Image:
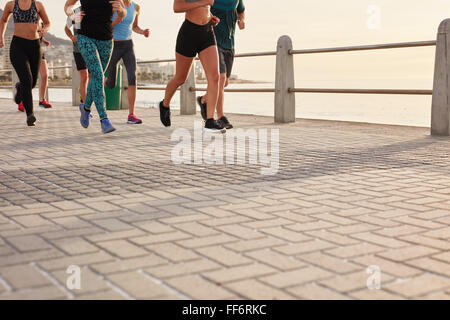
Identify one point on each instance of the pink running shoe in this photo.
(21, 108)
(44, 104)
(132, 119)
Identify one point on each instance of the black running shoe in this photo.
(31, 119)
(164, 114)
(202, 106)
(17, 95)
(213, 126)
(225, 123)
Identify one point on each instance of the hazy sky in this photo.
(310, 23)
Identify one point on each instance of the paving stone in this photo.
(172, 252)
(138, 285)
(122, 248)
(433, 265)
(247, 245)
(239, 273)
(285, 234)
(315, 292)
(325, 261)
(23, 276)
(31, 221)
(418, 286)
(304, 247)
(75, 246)
(205, 290)
(224, 256)
(182, 268)
(275, 259)
(28, 243)
(353, 281)
(411, 252)
(79, 260)
(131, 264)
(396, 269)
(42, 293)
(256, 290)
(355, 250)
(296, 277)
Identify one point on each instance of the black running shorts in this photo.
(79, 61)
(193, 38)
(226, 59)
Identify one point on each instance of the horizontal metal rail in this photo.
(153, 88)
(50, 68)
(302, 51)
(270, 90)
(367, 47)
(363, 91)
(292, 90)
(240, 55)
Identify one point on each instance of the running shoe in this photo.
(202, 106)
(31, 119)
(21, 108)
(223, 121)
(132, 119)
(85, 116)
(213, 126)
(17, 95)
(107, 126)
(44, 104)
(164, 114)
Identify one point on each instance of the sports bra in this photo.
(25, 16)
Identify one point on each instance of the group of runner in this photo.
(102, 36)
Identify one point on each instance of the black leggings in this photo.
(25, 56)
(122, 50)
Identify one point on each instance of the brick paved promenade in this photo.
(347, 196)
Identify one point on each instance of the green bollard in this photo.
(114, 96)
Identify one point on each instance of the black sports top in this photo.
(97, 20)
(25, 16)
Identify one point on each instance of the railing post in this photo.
(75, 85)
(284, 80)
(187, 97)
(124, 94)
(440, 108)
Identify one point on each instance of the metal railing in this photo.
(284, 104)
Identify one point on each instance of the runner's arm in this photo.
(4, 20)
(241, 14)
(136, 28)
(44, 17)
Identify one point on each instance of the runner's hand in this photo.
(146, 33)
(78, 17)
(117, 5)
(241, 24)
(215, 21)
(42, 33)
(1, 43)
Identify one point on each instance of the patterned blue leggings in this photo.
(96, 54)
